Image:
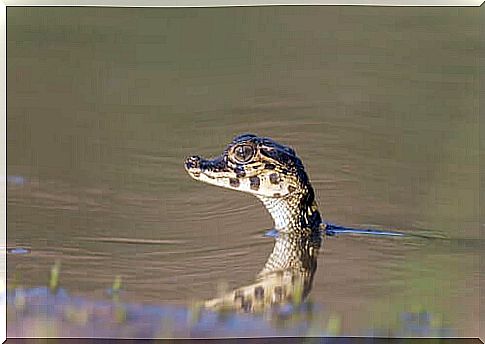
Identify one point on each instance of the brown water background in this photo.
(381, 104)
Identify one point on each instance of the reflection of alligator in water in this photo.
(274, 174)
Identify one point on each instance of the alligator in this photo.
(276, 176)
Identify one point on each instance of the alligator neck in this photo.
(294, 214)
(297, 220)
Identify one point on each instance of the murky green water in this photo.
(381, 104)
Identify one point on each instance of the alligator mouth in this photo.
(211, 168)
(193, 166)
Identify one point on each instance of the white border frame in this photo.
(3, 173)
(139, 3)
(229, 3)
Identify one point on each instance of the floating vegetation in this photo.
(114, 291)
(334, 325)
(120, 313)
(54, 277)
(116, 284)
(85, 315)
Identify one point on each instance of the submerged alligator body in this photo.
(276, 176)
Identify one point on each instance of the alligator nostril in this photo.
(193, 162)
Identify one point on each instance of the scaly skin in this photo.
(276, 176)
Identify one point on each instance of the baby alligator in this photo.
(276, 176)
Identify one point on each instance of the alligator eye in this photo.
(243, 153)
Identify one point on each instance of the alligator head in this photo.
(275, 175)
(270, 171)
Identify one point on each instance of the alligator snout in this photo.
(193, 162)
